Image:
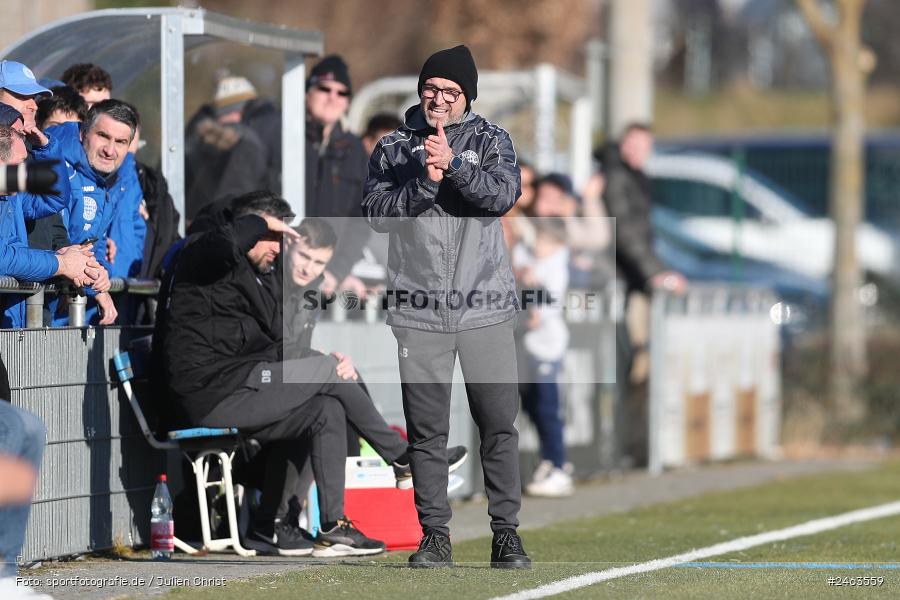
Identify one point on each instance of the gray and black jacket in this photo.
(448, 266)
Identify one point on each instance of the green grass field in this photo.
(584, 546)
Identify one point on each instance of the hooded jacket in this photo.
(217, 317)
(221, 161)
(162, 228)
(128, 228)
(91, 206)
(627, 199)
(335, 175)
(446, 241)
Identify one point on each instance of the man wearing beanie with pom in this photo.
(438, 185)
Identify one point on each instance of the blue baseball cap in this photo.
(19, 79)
(9, 115)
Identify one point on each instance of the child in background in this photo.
(544, 267)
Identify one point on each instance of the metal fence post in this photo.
(77, 307)
(34, 309)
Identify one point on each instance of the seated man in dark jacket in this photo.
(218, 337)
(221, 355)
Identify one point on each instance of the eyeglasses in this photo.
(330, 90)
(450, 95)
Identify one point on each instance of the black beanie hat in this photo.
(455, 64)
(330, 68)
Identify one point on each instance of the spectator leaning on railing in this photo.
(94, 152)
(17, 259)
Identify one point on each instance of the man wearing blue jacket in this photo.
(94, 153)
(17, 260)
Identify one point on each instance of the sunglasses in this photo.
(330, 90)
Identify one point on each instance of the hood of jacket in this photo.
(448, 266)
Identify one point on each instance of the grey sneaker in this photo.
(345, 540)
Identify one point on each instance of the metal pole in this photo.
(580, 141)
(77, 307)
(656, 431)
(545, 118)
(630, 91)
(595, 74)
(293, 134)
(172, 108)
(34, 309)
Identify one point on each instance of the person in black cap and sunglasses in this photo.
(439, 185)
(335, 170)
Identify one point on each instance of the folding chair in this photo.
(201, 445)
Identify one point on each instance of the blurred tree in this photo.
(394, 38)
(851, 62)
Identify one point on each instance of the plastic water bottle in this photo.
(162, 526)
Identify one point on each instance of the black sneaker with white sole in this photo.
(434, 551)
(343, 539)
(286, 540)
(456, 456)
(507, 551)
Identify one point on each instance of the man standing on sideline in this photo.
(627, 199)
(439, 185)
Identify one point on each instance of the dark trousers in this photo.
(307, 419)
(540, 399)
(487, 356)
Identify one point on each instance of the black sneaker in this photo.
(456, 456)
(345, 540)
(507, 551)
(434, 551)
(287, 540)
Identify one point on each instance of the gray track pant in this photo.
(487, 356)
(309, 419)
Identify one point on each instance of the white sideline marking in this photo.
(808, 528)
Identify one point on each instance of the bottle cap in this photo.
(162, 477)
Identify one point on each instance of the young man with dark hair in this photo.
(64, 106)
(439, 185)
(93, 83)
(379, 125)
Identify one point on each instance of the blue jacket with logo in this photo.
(92, 204)
(129, 229)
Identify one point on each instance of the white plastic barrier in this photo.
(715, 382)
